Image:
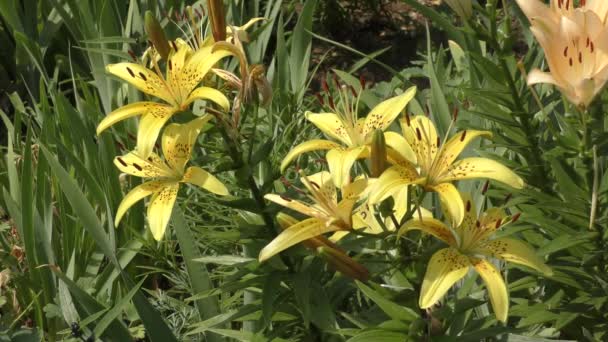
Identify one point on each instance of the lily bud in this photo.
(156, 35)
(464, 8)
(218, 19)
(378, 153)
(343, 263)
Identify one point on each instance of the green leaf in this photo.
(392, 309)
(379, 336)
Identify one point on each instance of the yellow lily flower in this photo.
(437, 166)
(353, 134)
(326, 214)
(167, 174)
(470, 245)
(185, 70)
(575, 45)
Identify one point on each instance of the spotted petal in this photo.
(143, 79)
(340, 162)
(178, 140)
(308, 146)
(452, 149)
(131, 110)
(430, 226)
(198, 66)
(149, 129)
(472, 168)
(393, 180)
(381, 116)
(296, 205)
(160, 209)
(445, 268)
(133, 164)
(515, 251)
(197, 176)
(421, 135)
(296, 233)
(497, 290)
(398, 144)
(209, 94)
(331, 125)
(135, 195)
(451, 201)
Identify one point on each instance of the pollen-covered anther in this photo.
(515, 217)
(418, 134)
(468, 207)
(285, 198)
(498, 223)
(463, 136)
(485, 187)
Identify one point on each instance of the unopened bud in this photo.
(464, 8)
(378, 153)
(343, 263)
(217, 16)
(156, 35)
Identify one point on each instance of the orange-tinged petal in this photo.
(445, 268)
(308, 146)
(497, 290)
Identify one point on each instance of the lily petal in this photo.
(198, 66)
(497, 290)
(296, 233)
(143, 79)
(160, 209)
(381, 116)
(340, 161)
(308, 146)
(471, 168)
(323, 185)
(451, 201)
(197, 176)
(133, 164)
(149, 129)
(398, 143)
(392, 180)
(445, 268)
(430, 226)
(135, 195)
(209, 94)
(295, 205)
(452, 149)
(332, 125)
(178, 140)
(421, 135)
(515, 251)
(131, 110)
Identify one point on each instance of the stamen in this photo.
(477, 224)
(336, 81)
(132, 54)
(580, 57)
(315, 185)
(285, 198)
(485, 187)
(591, 47)
(566, 52)
(325, 86)
(174, 45)
(418, 134)
(332, 105)
(498, 223)
(362, 81)
(320, 99)
(455, 114)
(464, 134)
(468, 208)
(438, 142)
(508, 198)
(407, 119)
(353, 91)
(570, 61)
(515, 217)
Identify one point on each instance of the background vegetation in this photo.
(63, 261)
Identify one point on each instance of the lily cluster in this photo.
(419, 160)
(187, 63)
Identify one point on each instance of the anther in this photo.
(285, 198)
(353, 91)
(130, 72)
(362, 81)
(139, 168)
(438, 142)
(320, 98)
(468, 208)
(143, 77)
(122, 162)
(580, 57)
(315, 185)
(508, 198)
(464, 134)
(407, 119)
(485, 187)
(325, 86)
(570, 61)
(515, 217)
(566, 52)
(132, 54)
(455, 114)
(418, 134)
(591, 47)
(498, 223)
